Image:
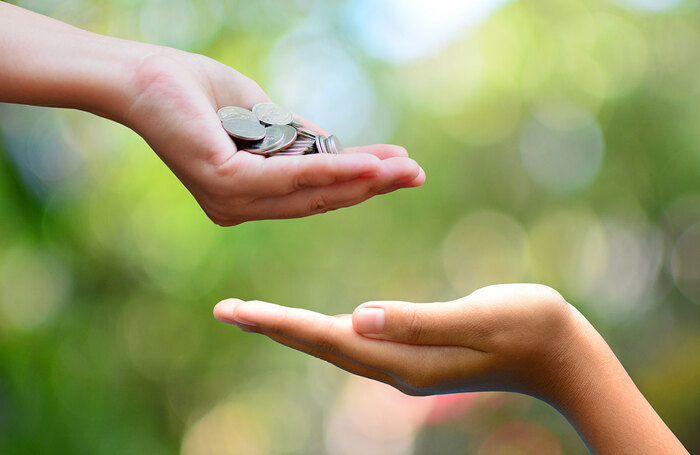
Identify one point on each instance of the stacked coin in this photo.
(270, 129)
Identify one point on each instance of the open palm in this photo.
(175, 99)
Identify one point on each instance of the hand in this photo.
(175, 98)
(507, 337)
(170, 98)
(516, 337)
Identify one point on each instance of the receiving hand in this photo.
(175, 96)
(506, 337)
(513, 337)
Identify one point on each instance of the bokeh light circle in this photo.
(34, 286)
(400, 31)
(485, 248)
(226, 429)
(608, 264)
(312, 74)
(373, 418)
(561, 147)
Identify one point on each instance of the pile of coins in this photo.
(270, 130)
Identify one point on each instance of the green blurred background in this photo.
(561, 140)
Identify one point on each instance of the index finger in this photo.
(329, 334)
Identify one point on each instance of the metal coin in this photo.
(334, 144)
(245, 129)
(306, 133)
(322, 144)
(273, 114)
(302, 144)
(273, 137)
(289, 136)
(318, 144)
(235, 112)
(293, 149)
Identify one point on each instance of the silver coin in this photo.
(235, 112)
(245, 129)
(334, 145)
(321, 144)
(289, 136)
(292, 149)
(301, 145)
(307, 133)
(273, 114)
(318, 144)
(273, 137)
(296, 124)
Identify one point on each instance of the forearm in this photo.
(601, 401)
(48, 63)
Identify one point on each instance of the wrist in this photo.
(590, 387)
(48, 63)
(104, 81)
(576, 369)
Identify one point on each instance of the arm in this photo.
(170, 98)
(520, 338)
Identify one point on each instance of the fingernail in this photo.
(370, 320)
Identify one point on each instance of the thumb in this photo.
(440, 323)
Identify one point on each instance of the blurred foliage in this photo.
(561, 144)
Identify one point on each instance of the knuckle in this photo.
(414, 329)
(318, 204)
(325, 341)
(550, 302)
(280, 322)
(300, 182)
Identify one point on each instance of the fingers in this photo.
(416, 182)
(413, 369)
(278, 176)
(326, 333)
(456, 323)
(344, 363)
(308, 201)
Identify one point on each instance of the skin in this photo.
(170, 98)
(517, 337)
